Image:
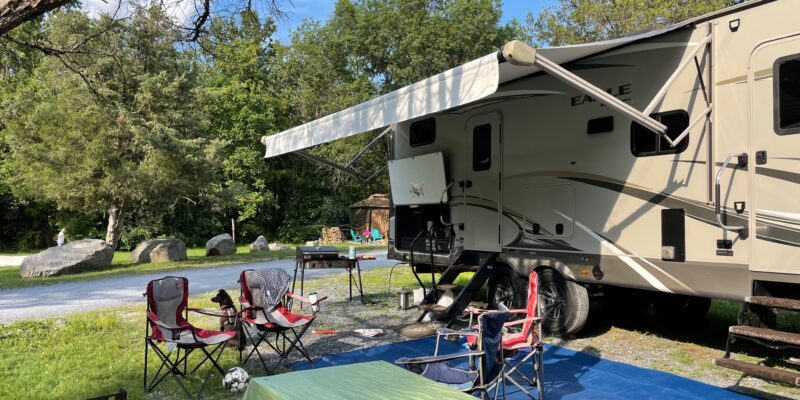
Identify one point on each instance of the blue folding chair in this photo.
(489, 370)
(376, 234)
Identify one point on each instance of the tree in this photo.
(118, 129)
(582, 21)
(368, 48)
(242, 107)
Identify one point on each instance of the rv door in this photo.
(482, 200)
(774, 87)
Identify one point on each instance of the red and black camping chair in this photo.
(167, 324)
(527, 340)
(268, 319)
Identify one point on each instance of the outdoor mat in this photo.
(568, 374)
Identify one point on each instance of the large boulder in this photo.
(158, 251)
(220, 245)
(71, 258)
(278, 247)
(260, 244)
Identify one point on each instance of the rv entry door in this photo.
(774, 83)
(482, 202)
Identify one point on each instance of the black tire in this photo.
(565, 304)
(507, 288)
(673, 307)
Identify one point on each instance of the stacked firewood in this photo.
(331, 235)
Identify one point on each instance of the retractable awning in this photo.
(459, 86)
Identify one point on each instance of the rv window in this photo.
(482, 147)
(600, 125)
(787, 87)
(645, 142)
(422, 132)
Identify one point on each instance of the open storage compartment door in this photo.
(418, 180)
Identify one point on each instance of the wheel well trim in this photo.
(523, 266)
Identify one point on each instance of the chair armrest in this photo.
(213, 313)
(305, 300)
(522, 321)
(436, 359)
(448, 331)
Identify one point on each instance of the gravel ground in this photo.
(342, 315)
(647, 342)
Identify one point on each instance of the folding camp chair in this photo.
(376, 234)
(488, 373)
(167, 322)
(529, 338)
(262, 324)
(356, 238)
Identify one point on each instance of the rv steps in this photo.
(463, 298)
(774, 302)
(772, 337)
(760, 371)
(765, 337)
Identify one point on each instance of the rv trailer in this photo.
(658, 167)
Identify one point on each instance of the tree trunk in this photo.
(114, 230)
(15, 12)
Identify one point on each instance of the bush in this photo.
(131, 236)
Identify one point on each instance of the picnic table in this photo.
(374, 380)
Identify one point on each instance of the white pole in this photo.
(233, 231)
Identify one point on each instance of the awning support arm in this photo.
(346, 170)
(701, 117)
(584, 86)
(364, 150)
(663, 91)
(519, 53)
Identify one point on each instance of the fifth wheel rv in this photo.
(657, 168)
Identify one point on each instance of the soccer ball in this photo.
(236, 380)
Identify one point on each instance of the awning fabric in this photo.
(459, 86)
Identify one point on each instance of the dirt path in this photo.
(11, 261)
(65, 298)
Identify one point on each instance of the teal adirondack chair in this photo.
(376, 234)
(356, 238)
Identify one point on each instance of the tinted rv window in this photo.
(422, 132)
(787, 102)
(645, 142)
(482, 147)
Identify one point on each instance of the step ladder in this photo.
(770, 338)
(463, 296)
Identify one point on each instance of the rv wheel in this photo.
(506, 288)
(565, 304)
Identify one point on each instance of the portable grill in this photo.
(319, 257)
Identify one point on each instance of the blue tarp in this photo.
(568, 375)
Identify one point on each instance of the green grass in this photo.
(89, 354)
(121, 265)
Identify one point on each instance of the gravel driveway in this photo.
(11, 260)
(65, 298)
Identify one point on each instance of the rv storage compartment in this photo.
(411, 220)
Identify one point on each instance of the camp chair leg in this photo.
(540, 373)
(293, 343)
(255, 349)
(173, 370)
(214, 362)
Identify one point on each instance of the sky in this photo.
(320, 10)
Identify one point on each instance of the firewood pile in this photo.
(331, 235)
